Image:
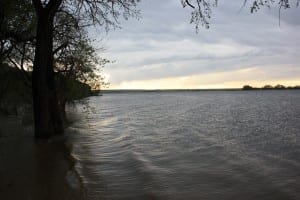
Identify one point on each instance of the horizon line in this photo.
(174, 90)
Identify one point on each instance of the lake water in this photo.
(189, 145)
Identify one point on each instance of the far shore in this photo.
(189, 90)
(31, 169)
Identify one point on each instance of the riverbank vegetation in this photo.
(48, 42)
(76, 63)
(15, 92)
(270, 87)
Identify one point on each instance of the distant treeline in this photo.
(270, 87)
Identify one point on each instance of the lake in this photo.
(209, 145)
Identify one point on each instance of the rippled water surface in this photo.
(189, 145)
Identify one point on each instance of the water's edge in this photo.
(35, 169)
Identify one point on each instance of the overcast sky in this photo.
(163, 51)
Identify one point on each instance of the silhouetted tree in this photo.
(267, 87)
(60, 38)
(74, 55)
(17, 28)
(87, 12)
(247, 87)
(279, 86)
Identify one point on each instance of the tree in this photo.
(267, 87)
(16, 49)
(47, 117)
(279, 86)
(68, 40)
(17, 27)
(247, 87)
(76, 60)
(74, 55)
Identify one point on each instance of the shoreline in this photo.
(35, 169)
(105, 91)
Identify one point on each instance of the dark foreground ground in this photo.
(32, 169)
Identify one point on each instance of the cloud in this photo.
(162, 45)
(226, 79)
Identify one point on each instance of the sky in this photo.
(162, 50)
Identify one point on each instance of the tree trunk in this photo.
(47, 116)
